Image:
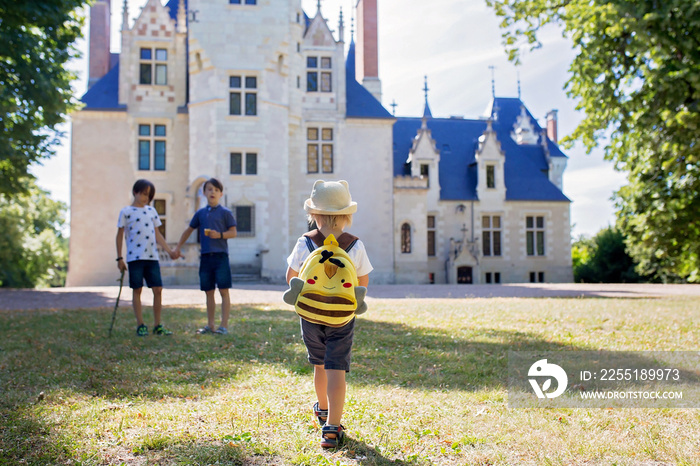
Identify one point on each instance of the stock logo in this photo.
(542, 369)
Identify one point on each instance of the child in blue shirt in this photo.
(216, 225)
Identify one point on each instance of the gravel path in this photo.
(104, 296)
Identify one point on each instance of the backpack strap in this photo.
(347, 241)
(315, 239)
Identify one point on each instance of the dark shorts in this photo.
(148, 270)
(330, 347)
(214, 270)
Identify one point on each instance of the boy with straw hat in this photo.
(329, 348)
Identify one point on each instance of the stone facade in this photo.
(227, 97)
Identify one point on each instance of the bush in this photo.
(33, 251)
(603, 259)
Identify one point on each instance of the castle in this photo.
(265, 98)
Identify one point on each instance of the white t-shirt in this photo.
(140, 225)
(358, 254)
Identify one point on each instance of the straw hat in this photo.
(330, 198)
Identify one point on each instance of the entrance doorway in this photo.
(464, 275)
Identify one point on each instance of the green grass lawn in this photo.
(427, 387)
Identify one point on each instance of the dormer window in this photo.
(153, 66)
(314, 67)
(490, 176)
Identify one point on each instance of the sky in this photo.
(453, 43)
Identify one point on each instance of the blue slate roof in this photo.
(104, 94)
(172, 4)
(360, 103)
(525, 167)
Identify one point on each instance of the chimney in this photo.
(367, 60)
(99, 54)
(552, 126)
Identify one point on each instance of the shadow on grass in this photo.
(45, 351)
(69, 350)
(42, 351)
(365, 454)
(26, 437)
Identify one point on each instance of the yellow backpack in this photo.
(327, 290)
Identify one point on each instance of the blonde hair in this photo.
(335, 222)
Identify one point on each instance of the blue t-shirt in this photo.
(217, 218)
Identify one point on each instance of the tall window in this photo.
(319, 143)
(153, 66)
(245, 220)
(319, 67)
(152, 147)
(243, 96)
(491, 235)
(536, 277)
(490, 176)
(244, 163)
(406, 238)
(534, 231)
(159, 205)
(431, 235)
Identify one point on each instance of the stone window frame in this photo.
(492, 235)
(491, 176)
(154, 61)
(159, 202)
(319, 73)
(320, 149)
(431, 235)
(241, 232)
(154, 139)
(535, 235)
(243, 94)
(248, 162)
(406, 240)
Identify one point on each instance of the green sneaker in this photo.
(160, 330)
(142, 330)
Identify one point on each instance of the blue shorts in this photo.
(330, 347)
(140, 270)
(214, 270)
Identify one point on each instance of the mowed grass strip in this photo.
(426, 387)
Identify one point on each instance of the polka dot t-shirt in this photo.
(140, 225)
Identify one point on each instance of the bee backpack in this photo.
(327, 290)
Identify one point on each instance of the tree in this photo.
(636, 76)
(603, 259)
(33, 251)
(36, 38)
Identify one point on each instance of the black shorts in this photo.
(148, 270)
(330, 347)
(214, 270)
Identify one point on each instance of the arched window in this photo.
(406, 238)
